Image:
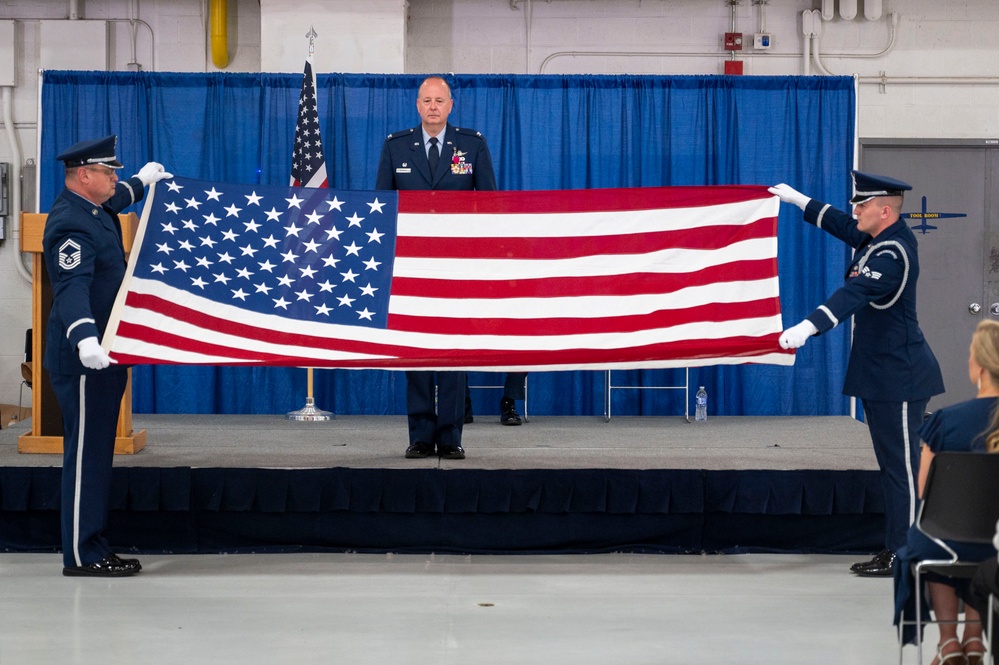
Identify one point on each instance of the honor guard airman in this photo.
(891, 368)
(85, 261)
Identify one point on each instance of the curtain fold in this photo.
(545, 132)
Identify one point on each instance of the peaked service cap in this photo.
(95, 151)
(868, 185)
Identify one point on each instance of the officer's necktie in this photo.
(433, 155)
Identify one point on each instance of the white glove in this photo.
(92, 355)
(796, 336)
(789, 194)
(152, 172)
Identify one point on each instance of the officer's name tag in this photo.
(403, 170)
(461, 168)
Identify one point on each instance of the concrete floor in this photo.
(449, 610)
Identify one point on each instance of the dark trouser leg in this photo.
(90, 405)
(451, 387)
(513, 386)
(420, 406)
(893, 428)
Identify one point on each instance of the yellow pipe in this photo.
(218, 24)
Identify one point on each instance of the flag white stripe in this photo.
(666, 261)
(751, 327)
(579, 224)
(126, 345)
(585, 307)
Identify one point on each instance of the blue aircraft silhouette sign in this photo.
(923, 227)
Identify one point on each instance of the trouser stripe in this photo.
(81, 431)
(908, 466)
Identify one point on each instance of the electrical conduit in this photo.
(15, 182)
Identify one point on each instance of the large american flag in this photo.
(228, 274)
(308, 165)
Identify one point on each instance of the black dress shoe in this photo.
(451, 452)
(508, 414)
(110, 566)
(419, 449)
(882, 565)
(875, 561)
(125, 562)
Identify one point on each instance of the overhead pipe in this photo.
(848, 9)
(872, 10)
(807, 30)
(828, 10)
(817, 57)
(218, 29)
(15, 182)
(817, 44)
(656, 54)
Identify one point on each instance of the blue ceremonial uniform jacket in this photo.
(465, 163)
(85, 260)
(890, 360)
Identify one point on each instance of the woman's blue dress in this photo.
(958, 428)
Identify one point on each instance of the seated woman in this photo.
(968, 426)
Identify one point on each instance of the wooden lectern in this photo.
(46, 418)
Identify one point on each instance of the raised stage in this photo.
(210, 483)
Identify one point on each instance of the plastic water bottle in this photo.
(701, 405)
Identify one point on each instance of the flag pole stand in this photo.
(309, 412)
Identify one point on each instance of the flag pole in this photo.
(309, 412)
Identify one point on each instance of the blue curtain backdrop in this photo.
(545, 132)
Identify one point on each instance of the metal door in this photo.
(950, 209)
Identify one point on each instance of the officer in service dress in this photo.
(85, 260)
(435, 155)
(891, 367)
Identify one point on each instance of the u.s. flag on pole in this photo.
(228, 274)
(308, 164)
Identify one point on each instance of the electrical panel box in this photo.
(762, 41)
(8, 62)
(89, 40)
(733, 41)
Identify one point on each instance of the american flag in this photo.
(308, 166)
(228, 274)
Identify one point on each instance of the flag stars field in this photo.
(319, 232)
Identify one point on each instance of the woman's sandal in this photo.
(954, 657)
(974, 655)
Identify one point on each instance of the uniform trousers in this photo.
(894, 427)
(441, 425)
(90, 404)
(513, 386)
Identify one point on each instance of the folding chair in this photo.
(960, 502)
(25, 374)
(501, 387)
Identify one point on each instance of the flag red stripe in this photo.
(707, 237)
(581, 200)
(712, 312)
(206, 321)
(731, 347)
(565, 287)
